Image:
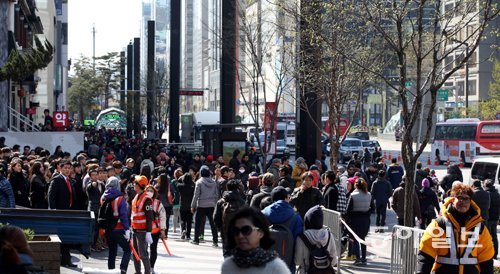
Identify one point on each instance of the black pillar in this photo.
(151, 90)
(137, 86)
(123, 86)
(309, 141)
(175, 63)
(228, 62)
(130, 87)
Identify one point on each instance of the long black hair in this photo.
(258, 220)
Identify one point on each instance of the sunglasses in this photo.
(463, 198)
(245, 230)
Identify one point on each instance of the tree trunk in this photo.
(4, 88)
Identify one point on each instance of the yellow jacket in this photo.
(445, 255)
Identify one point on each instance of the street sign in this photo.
(408, 84)
(191, 92)
(442, 95)
(61, 119)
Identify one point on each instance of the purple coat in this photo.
(111, 194)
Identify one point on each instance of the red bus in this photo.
(326, 127)
(466, 139)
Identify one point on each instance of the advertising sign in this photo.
(61, 119)
(270, 115)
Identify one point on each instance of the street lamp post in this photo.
(466, 67)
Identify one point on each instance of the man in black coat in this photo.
(61, 196)
(306, 196)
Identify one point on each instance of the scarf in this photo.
(256, 257)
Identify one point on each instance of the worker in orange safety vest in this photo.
(142, 223)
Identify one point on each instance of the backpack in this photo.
(229, 208)
(319, 258)
(106, 220)
(284, 241)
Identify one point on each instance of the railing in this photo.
(405, 246)
(331, 219)
(19, 122)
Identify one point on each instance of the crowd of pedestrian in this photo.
(254, 207)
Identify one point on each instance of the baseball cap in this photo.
(141, 180)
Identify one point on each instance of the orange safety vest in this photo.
(156, 221)
(138, 213)
(115, 206)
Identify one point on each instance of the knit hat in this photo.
(426, 183)
(113, 182)
(313, 167)
(204, 171)
(210, 158)
(279, 193)
(314, 218)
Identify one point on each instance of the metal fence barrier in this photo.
(331, 219)
(404, 251)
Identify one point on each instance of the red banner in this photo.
(60, 119)
(269, 115)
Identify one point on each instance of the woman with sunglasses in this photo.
(249, 236)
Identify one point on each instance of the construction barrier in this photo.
(404, 251)
(332, 219)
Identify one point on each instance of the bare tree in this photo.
(333, 63)
(423, 36)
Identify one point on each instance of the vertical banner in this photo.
(270, 115)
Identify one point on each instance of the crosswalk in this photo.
(186, 258)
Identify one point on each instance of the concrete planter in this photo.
(47, 252)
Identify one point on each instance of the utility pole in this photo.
(93, 47)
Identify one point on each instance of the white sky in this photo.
(116, 23)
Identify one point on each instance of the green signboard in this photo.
(442, 95)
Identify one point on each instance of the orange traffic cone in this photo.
(436, 163)
(429, 160)
(399, 157)
(448, 161)
(461, 165)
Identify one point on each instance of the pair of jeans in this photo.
(199, 225)
(186, 222)
(141, 247)
(117, 238)
(381, 214)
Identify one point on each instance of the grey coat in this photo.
(206, 193)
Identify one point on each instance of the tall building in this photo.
(267, 36)
(480, 64)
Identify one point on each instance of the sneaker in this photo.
(357, 262)
(215, 245)
(202, 238)
(183, 236)
(349, 258)
(194, 242)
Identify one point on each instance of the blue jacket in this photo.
(281, 211)
(111, 194)
(6, 193)
(395, 175)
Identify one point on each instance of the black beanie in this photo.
(314, 218)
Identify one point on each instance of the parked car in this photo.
(347, 148)
(362, 135)
(486, 168)
(371, 145)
